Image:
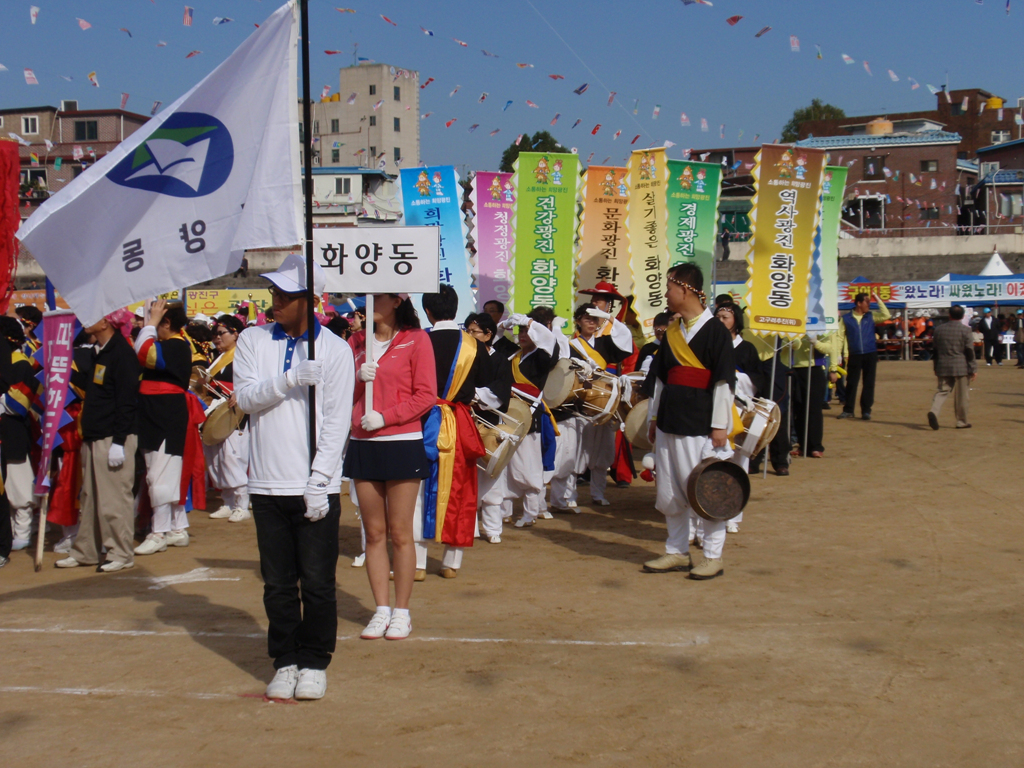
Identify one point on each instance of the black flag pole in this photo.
(307, 185)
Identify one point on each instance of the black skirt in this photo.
(382, 460)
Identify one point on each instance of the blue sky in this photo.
(685, 58)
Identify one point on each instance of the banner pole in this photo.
(775, 360)
(368, 308)
(807, 412)
(307, 157)
(44, 504)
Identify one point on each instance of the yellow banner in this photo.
(214, 301)
(646, 225)
(783, 221)
(604, 245)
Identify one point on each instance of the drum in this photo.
(221, 421)
(718, 490)
(636, 426)
(761, 422)
(559, 384)
(502, 439)
(597, 397)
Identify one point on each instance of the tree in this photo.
(817, 111)
(541, 141)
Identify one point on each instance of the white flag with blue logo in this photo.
(180, 200)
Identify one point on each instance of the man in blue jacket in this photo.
(857, 339)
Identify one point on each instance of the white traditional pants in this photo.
(567, 448)
(597, 452)
(492, 493)
(19, 493)
(227, 465)
(163, 477)
(675, 458)
(526, 476)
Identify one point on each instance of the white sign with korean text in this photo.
(379, 259)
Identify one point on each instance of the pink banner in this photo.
(493, 196)
(58, 335)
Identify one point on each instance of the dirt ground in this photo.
(870, 614)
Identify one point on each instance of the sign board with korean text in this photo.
(604, 245)
(379, 259)
(694, 190)
(493, 199)
(647, 225)
(784, 225)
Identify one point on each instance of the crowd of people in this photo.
(166, 408)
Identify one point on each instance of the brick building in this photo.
(63, 141)
(979, 117)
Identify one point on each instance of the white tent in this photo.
(996, 267)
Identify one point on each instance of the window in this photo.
(316, 127)
(34, 176)
(956, 109)
(343, 186)
(302, 132)
(86, 130)
(961, 155)
(873, 166)
(335, 126)
(397, 155)
(929, 214)
(373, 120)
(29, 125)
(998, 137)
(373, 152)
(929, 166)
(76, 171)
(398, 125)
(398, 93)
(335, 156)
(1, 121)
(373, 90)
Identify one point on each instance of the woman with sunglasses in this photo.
(228, 463)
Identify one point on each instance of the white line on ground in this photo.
(697, 640)
(191, 577)
(108, 692)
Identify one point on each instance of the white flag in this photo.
(180, 200)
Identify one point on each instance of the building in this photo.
(374, 117)
(979, 117)
(58, 143)
(353, 196)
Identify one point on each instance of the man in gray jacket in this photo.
(955, 367)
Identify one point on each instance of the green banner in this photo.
(693, 193)
(833, 188)
(544, 221)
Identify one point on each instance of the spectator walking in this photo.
(955, 368)
(856, 336)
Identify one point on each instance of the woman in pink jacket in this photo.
(386, 459)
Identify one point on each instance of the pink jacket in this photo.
(405, 387)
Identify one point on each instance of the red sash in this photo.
(686, 376)
(159, 388)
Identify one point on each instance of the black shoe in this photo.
(845, 415)
(933, 420)
(865, 416)
(827, 407)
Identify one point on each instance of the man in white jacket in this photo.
(296, 504)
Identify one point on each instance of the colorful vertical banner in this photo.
(604, 245)
(833, 188)
(784, 223)
(493, 198)
(544, 223)
(647, 225)
(694, 190)
(58, 334)
(432, 197)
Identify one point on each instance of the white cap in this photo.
(290, 277)
(141, 312)
(201, 318)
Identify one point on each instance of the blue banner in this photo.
(432, 197)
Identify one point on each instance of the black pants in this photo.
(294, 551)
(1019, 350)
(815, 425)
(6, 532)
(855, 366)
(994, 350)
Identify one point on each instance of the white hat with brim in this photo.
(290, 277)
(141, 312)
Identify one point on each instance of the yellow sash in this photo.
(447, 436)
(519, 378)
(588, 349)
(680, 349)
(222, 362)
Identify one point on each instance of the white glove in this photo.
(559, 323)
(115, 457)
(372, 421)
(625, 384)
(506, 324)
(367, 372)
(308, 373)
(487, 398)
(598, 313)
(315, 496)
(519, 319)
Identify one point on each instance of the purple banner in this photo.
(493, 197)
(58, 335)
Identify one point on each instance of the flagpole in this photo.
(307, 155)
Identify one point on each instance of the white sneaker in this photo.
(312, 684)
(176, 538)
(731, 527)
(67, 562)
(571, 505)
(377, 627)
(506, 520)
(155, 542)
(283, 684)
(602, 503)
(221, 514)
(112, 566)
(63, 546)
(240, 515)
(359, 561)
(399, 628)
(522, 522)
(545, 515)
(19, 544)
(4, 561)
(494, 539)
